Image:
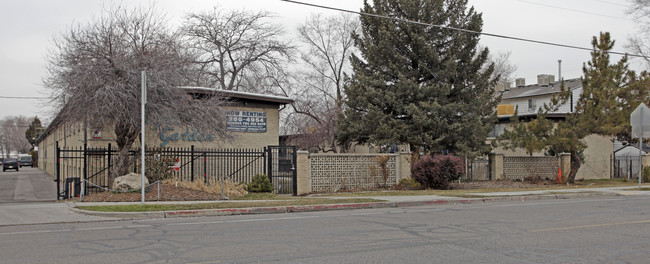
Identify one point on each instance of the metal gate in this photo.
(282, 169)
(626, 167)
(478, 170)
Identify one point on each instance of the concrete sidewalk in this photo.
(60, 212)
(42, 213)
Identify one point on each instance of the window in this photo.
(532, 105)
(498, 130)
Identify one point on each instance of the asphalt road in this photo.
(26, 185)
(594, 230)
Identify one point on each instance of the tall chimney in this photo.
(559, 70)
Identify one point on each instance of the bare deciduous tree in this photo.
(97, 68)
(12, 137)
(319, 94)
(640, 42)
(235, 50)
(502, 66)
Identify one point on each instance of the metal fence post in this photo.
(56, 171)
(85, 172)
(265, 157)
(205, 168)
(270, 171)
(192, 163)
(295, 172)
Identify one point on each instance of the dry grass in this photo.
(231, 189)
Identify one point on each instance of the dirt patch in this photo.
(168, 192)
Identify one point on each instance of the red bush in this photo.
(436, 172)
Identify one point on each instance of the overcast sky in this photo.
(28, 26)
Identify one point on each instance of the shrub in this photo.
(408, 184)
(157, 168)
(260, 183)
(646, 174)
(436, 172)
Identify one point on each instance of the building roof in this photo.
(239, 95)
(536, 89)
(628, 150)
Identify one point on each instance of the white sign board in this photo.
(640, 118)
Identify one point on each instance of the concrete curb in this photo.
(124, 215)
(328, 207)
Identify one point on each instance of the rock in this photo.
(129, 182)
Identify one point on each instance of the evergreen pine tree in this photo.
(33, 131)
(418, 84)
(610, 92)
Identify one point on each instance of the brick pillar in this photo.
(303, 172)
(565, 165)
(404, 166)
(496, 166)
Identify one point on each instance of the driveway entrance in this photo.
(26, 185)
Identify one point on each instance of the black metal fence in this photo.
(626, 167)
(188, 164)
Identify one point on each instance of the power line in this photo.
(22, 97)
(461, 29)
(612, 3)
(574, 10)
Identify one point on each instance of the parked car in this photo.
(25, 161)
(10, 164)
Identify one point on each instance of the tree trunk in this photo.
(125, 136)
(333, 145)
(576, 162)
(415, 154)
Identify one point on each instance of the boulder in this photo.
(129, 182)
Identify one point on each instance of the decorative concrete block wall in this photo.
(519, 167)
(335, 172)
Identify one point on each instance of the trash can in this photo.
(72, 187)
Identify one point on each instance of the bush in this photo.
(646, 174)
(408, 184)
(157, 168)
(436, 172)
(260, 183)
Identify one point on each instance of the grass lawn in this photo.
(469, 192)
(221, 205)
(269, 199)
